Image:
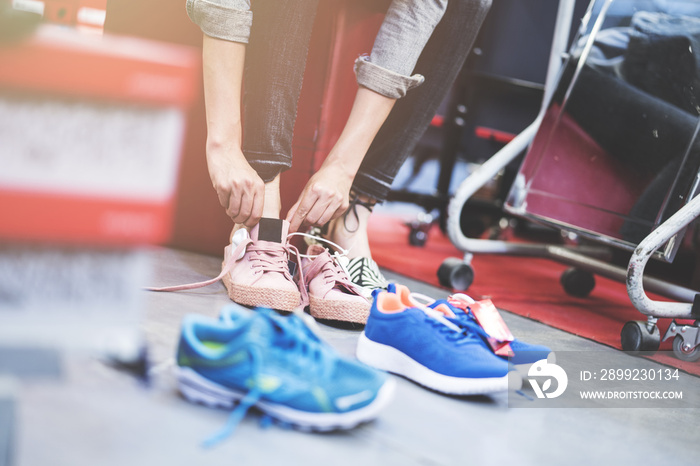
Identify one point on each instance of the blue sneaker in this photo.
(422, 345)
(456, 309)
(269, 361)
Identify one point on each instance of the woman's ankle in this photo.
(272, 205)
(355, 242)
(350, 230)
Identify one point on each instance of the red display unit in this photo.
(92, 137)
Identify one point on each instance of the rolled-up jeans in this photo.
(418, 52)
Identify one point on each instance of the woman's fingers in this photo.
(294, 217)
(256, 210)
(316, 214)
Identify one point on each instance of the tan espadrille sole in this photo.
(345, 311)
(282, 300)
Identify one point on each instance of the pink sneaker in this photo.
(258, 267)
(255, 270)
(332, 295)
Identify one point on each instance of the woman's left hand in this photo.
(325, 197)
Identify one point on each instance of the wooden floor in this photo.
(98, 415)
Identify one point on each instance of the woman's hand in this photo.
(324, 197)
(239, 188)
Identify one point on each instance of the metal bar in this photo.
(488, 246)
(479, 178)
(604, 269)
(640, 257)
(510, 151)
(560, 43)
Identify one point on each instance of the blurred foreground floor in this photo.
(96, 415)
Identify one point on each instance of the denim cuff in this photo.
(221, 21)
(267, 166)
(383, 81)
(371, 186)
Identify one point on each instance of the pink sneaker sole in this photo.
(331, 294)
(282, 300)
(346, 311)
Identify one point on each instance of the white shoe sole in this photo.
(392, 360)
(198, 389)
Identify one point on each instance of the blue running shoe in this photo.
(269, 361)
(456, 310)
(422, 345)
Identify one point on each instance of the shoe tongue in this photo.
(312, 251)
(273, 230)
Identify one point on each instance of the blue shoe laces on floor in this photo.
(300, 345)
(237, 415)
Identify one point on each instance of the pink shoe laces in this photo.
(224, 270)
(331, 273)
(266, 259)
(328, 267)
(263, 258)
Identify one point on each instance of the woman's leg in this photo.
(273, 76)
(275, 59)
(440, 63)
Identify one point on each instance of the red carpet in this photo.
(525, 286)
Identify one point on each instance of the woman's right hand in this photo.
(239, 188)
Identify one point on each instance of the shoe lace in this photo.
(296, 346)
(237, 415)
(270, 257)
(454, 333)
(455, 302)
(228, 265)
(340, 252)
(461, 297)
(467, 319)
(462, 301)
(298, 324)
(454, 329)
(352, 209)
(303, 349)
(330, 270)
